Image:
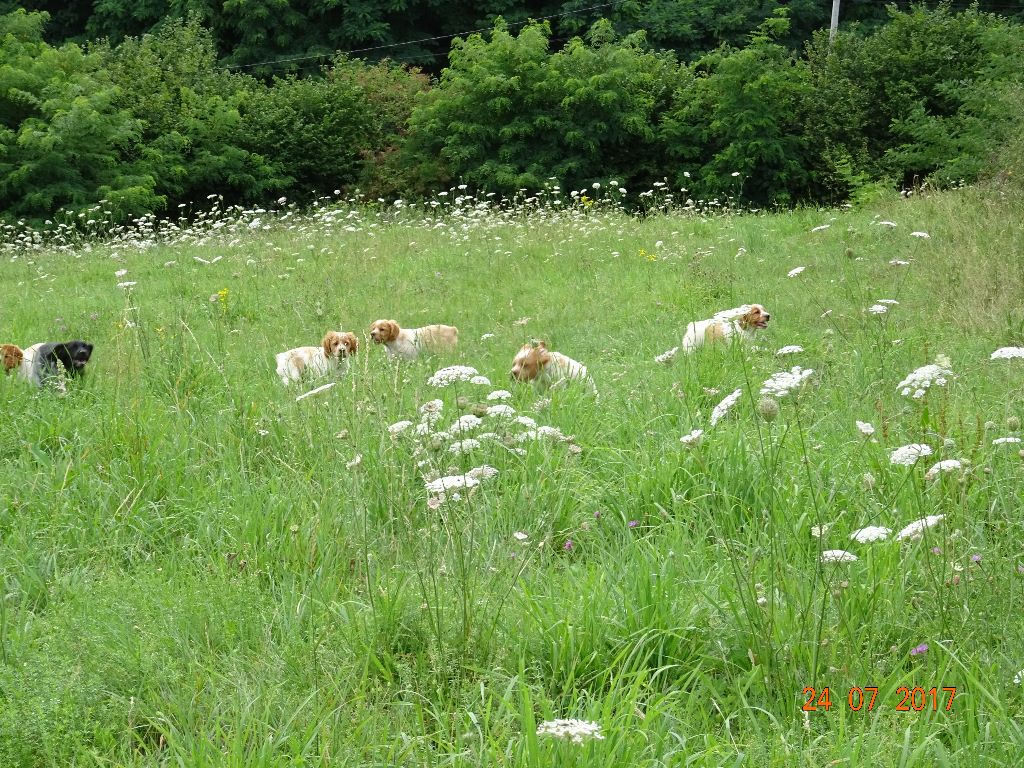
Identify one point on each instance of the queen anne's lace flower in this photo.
(399, 426)
(693, 438)
(1008, 353)
(666, 357)
(837, 556)
(870, 533)
(917, 528)
(866, 427)
(505, 411)
(1006, 440)
(480, 380)
(790, 349)
(907, 455)
(782, 383)
(918, 382)
(878, 309)
(797, 270)
(452, 374)
(466, 423)
(576, 731)
(464, 446)
(500, 394)
(938, 468)
(723, 407)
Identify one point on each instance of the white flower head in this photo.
(866, 427)
(575, 731)
(790, 349)
(1008, 353)
(878, 309)
(907, 455)
(922, 235)
(819, 531)
(399, 427)
(919, 381)
(821, 228)
(480, 380)
(723, 407)
(782, 383)
(501, 410)
(917, 528)
(466, 423)
(948, 465)
(899, 263)
(452, 374)
(520, 536)
(128, 284)
(666, 357)
(838, 556)
(795, 271)
(487, 336)
(870, 533)
(432, 406)
(1006, 441)
(693, 438)
(500, 394)
(464, 446)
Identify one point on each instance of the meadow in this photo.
(198, 569)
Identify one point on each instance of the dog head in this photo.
(11, 356)
(529, 361)
(73, 355)
(384, 331)
(340, 344)
(754, 318)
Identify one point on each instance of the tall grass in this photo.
(197, 569)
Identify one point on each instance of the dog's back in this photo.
(437, 338)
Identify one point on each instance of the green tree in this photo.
(62, 137)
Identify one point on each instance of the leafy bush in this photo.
(190, 113)
(320, 134)
(508, 115)
(61, 133)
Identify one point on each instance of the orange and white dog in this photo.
(740, 323)
(408, 343)
(535, 362)
(333, 353)
(11, 356)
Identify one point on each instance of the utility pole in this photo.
(835, 21)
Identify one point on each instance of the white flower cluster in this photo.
(1006, 441)
(866, 427)
(782, 383)
(907, 455)
(837, 556)
(399, 427)
(948, 465)
(797, 270)
(917, 528)
(466, 423)
(870, 533)
(693, 438)
(1008, 353)
(500, 394)
(920, 381)
(576, 731)
(667, 357)
(452, 374)
(453, 482)
(790, 349)
(723, 407)
(501, 410)
(878, 309)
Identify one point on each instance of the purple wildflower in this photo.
(975, 558)
(922, 648)
(634, 523)
(568, 545)
(936, 551)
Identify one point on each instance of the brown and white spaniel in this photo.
(535, 362)
(408, 343)
(740, 323)
(311, 362)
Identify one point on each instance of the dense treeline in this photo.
(251, 33)
(155, 122)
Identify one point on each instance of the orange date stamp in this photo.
(866, 699)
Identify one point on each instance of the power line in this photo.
(289, 59)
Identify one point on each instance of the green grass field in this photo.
(199, 570)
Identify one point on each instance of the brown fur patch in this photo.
(438, 337)
(12, 356)
(714, 332)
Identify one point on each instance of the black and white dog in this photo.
(45, 361)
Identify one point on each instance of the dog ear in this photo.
(328, 343)
(352, 341)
